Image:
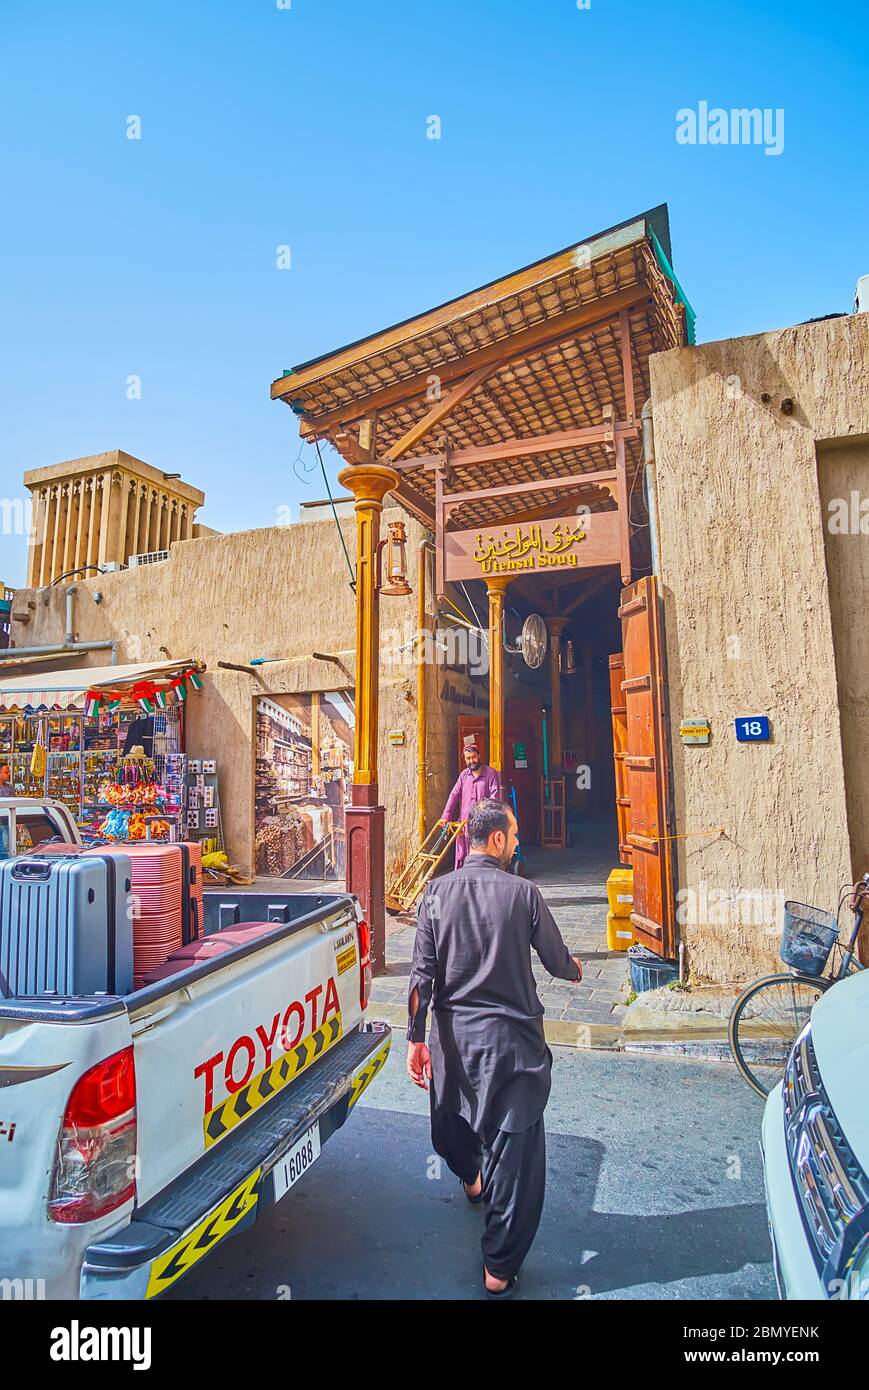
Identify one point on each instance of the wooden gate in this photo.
(618, 712)
(646, 765)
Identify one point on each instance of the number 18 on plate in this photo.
(752, 728)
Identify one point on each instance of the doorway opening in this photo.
(582, 778)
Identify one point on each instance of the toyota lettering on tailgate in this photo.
(260, 1064)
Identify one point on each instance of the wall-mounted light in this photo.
(395, 545)
(568, 658)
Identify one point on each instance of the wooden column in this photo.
(365, 818)
(555, 627)
(496, 588)
(553, 826)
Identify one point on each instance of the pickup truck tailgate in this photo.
(212, 1050)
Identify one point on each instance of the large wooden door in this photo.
(478, 725)
(646, 763)
(618, 712)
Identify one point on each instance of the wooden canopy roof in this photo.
(504, 382)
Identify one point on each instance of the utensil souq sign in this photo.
(564, 543)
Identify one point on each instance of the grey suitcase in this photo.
(66, 926)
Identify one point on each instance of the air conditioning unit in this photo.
(861, 296)
(148, 557)
(113, 567)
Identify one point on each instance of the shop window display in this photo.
(304, 769)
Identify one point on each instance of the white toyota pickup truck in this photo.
(138, 1132)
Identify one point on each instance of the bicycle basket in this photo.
(808, 937)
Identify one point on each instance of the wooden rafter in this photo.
(457, 499)
(502, 353)
(439, 411)
(556, 442)
(349, 448)
(588, 592)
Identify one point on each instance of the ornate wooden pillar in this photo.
(553, 830)
(496, 588)
(365, 828)
(555, 627)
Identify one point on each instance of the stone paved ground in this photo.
(573, 883)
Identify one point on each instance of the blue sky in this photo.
(266, 126)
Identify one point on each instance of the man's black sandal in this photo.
(474, 1201)
(507, 1292)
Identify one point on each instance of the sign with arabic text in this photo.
(555, 544)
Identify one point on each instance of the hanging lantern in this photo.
(395, 544)
(568, 658)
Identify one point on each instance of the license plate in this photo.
(296, 1163)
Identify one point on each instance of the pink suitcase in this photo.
(197, 902)
(207, 949)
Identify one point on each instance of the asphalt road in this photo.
(654, 1191)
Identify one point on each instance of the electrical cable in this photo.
(470, 605)
(335, 515)
(475, 626)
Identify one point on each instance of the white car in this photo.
(816, 1152)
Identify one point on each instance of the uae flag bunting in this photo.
(145, 695)
(92, 704)
(180, 688)
(162, 699)
(195, 679)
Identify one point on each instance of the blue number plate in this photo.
(752, 728)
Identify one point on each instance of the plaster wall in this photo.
(843, 471)
(279, 592)
(749, 629)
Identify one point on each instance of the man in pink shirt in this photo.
(476, 782)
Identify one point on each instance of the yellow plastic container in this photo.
(620, 892)
(619, 933)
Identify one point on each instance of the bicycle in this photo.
(770, 1014)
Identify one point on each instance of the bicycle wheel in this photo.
(765, 1022)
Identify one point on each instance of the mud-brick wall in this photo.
(279, 592)
(749, 628)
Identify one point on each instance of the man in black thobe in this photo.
(489, 1065)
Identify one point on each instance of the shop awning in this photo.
(66, 689)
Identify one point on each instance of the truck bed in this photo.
(237, 1059)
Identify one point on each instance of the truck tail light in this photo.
(96, 1158)
(363, 932)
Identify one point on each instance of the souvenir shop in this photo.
(110, 744)
(304, 767)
